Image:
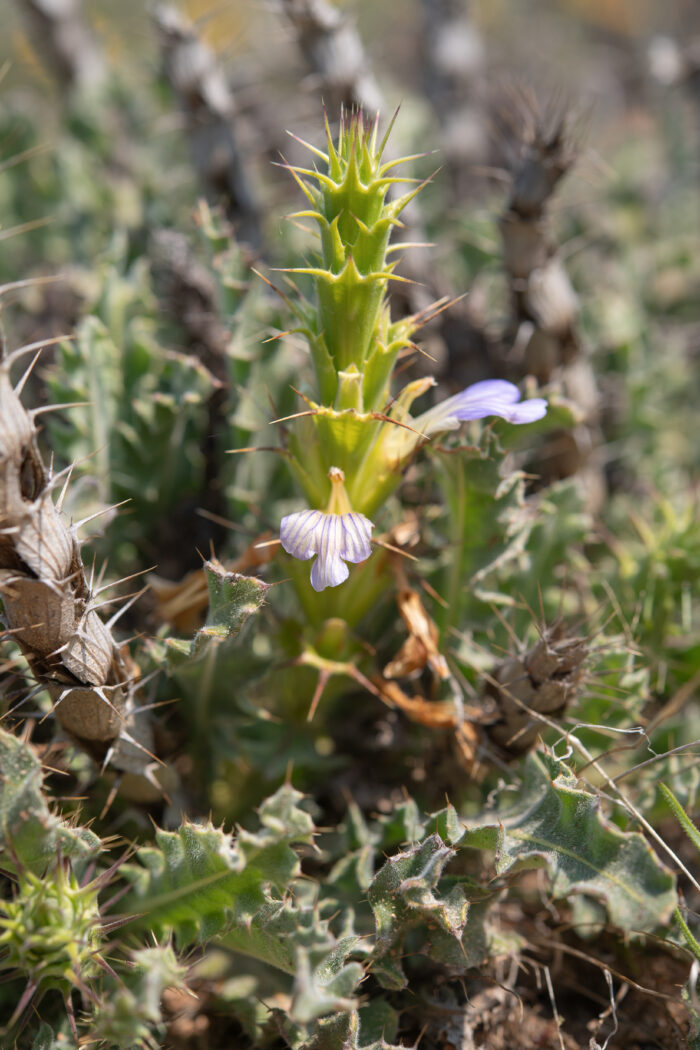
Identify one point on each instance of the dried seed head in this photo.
(539, 144)
(544, 680)
(46, 596)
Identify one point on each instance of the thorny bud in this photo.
(51, 929)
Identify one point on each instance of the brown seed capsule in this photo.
(542, 680)
(46, 597)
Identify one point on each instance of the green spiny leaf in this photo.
(403, 895)
(199, 879)
(233, 598)
(324, 981)
(365, 1029)
(292, 935)
(558, 826)
(128, 1014)
(29, 831)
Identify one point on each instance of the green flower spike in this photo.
(353, 343)
(355, 429)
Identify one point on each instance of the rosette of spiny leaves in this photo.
(312, 940)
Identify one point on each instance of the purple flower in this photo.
(491, 397)
(334, 538)
(336, 535)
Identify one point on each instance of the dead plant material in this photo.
(64, 42)
(543, 680)
(418, 652)
(453, 62)
(435, 714)
(495, 1018)
(540, 154)
(421, 646)
(438, 715)
(540, 148)
(209, 109)
(331, 45)
(48, 603)
(189, 294)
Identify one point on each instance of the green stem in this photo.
(454, 572)
(350, 602)
(681, 816)
(685, 930)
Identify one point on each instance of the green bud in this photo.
(50, 930)
(350, 326)
(349, 389)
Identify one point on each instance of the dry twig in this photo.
(64, 41)
(207, 102)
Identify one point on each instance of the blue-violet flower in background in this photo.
(491, 397)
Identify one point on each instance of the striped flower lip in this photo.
(334, 538)
(336, 535)
(491, 397)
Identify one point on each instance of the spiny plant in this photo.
(51, 604)
(307, 700)
(200, 885)
(360, 426)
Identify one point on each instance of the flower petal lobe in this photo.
(334, 538)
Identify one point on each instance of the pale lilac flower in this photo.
(335, 536)
(491, 397)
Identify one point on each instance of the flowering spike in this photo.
(355, 220)
(354, 347)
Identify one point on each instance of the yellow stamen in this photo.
(339, 502)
